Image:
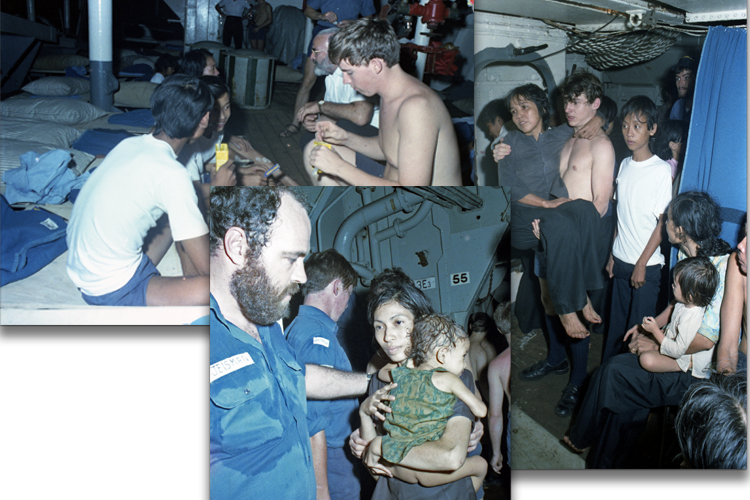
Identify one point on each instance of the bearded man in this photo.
(260, 438)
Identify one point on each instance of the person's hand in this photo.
(642, 343)
(330, 16)
(330, 132)
(357, 445)
(309, 123)
(638, 278)
(326, 160)
(500, 151)
(371, 458)
(225, 176)
(631, 333)
(497, 462)
(649, 324)
(590, 129)
(240, 144)
(375, 404)
(535, 229)
(476, 435)
(307, 109)
(611, 266)
(555, 203)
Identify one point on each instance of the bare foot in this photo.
(589, 313)
(573, 326)
(569, 444)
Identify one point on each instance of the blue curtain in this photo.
(716, 156)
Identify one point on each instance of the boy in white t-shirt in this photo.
(643, 192)
(110, 258)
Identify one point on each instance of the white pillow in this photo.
(58, 62)
(54, 134)
(134, 94)
(58, 86)
(65, 111)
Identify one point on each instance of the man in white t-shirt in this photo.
(112, 248)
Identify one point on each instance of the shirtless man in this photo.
(416, 138)
(586, 166)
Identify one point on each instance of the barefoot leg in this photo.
(570, 445)
(573, 326)
(589, 313)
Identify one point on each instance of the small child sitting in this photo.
(427, 389)
(695, 282)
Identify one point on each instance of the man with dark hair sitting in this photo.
(111, 260)
(711, 423)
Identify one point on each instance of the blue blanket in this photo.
(100, 141)
(31, 240)
(137, 118)
(43, 179)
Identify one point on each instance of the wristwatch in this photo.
(320, 107)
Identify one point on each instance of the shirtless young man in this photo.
(586, 166)
(416, 138)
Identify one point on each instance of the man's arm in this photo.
(320, 465)
(357, 112)
(447, 453)
(602, 173)
(735, 296)
(638, 277)
(318, 16)
(418, 132)
(326, 383)
(331, 163)
(220, 10)
(197, 251)
(333, 134)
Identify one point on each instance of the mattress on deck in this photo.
(49, 297)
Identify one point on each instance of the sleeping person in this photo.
(136, 203)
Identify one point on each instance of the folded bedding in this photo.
(31, 240)
(100, 141)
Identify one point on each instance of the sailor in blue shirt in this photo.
(258, 414)
(312, 335)
(260, 446)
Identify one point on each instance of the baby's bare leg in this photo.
(473, 467)
(654, 362)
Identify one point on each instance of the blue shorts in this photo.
(134, 291)
(369, 166)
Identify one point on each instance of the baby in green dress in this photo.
(428, 385)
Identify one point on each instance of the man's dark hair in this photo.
(164, 62)
(216, 85)
(252, 209)
(531, 92)
(581, 82)
(194, 62)
(641, 107)
(492, 110)
(670, 131)
(608, 107)
(324, 267)
(179, 104)
(711, 423)
(363, 40)
(698, 279)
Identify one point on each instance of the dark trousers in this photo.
(232, 31)
(616, 407)
(629, 306)
(576, 242)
